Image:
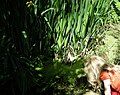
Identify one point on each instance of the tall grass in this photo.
(76, 24)
(24, 45)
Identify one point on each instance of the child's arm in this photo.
(107, 90)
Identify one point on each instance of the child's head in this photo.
(107, 67)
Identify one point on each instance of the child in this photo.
(111, 80)
(98, 72)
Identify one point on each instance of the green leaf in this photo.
(60, 41)
(38, 68)
(118, 5)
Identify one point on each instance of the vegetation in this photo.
(44, 43)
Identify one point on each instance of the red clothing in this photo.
(114, 79)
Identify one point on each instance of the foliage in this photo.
(110, 47)
(114, 13)
(65, 79)
(76, 24)
(34, 33)
(24, 46)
